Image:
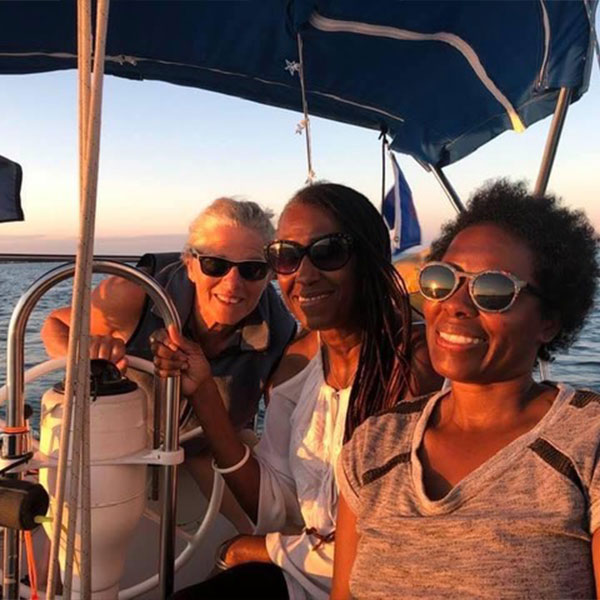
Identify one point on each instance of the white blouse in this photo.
(303, 436)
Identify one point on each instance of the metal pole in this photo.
(159, 390)
(166, 573)
(15, 444)
(560, 113)
(447, 187)
(11, 570)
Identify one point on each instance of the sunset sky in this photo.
(167, 151)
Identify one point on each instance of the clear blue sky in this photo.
(167, 151)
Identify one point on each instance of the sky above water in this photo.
(167, 151)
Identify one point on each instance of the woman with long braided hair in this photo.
(378, 303)
(356, 357)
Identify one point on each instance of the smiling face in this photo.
(320, 300)
(472, 346)
(226, 300)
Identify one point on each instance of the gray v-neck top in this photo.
(518, 526)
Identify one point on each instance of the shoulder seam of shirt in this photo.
(584, 397)
(407, 407)
(560, 462)
(376, 473)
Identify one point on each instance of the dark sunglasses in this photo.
(490, 291)
(327, 253)
(214, 266)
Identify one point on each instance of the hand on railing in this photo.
(175, 354)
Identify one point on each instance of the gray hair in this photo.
(228, 211)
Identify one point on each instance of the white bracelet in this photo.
(238, 465)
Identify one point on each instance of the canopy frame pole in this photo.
(447, 187)
(560, 114)
(558, 121)
(384, 147)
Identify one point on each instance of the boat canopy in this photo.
(441, 78)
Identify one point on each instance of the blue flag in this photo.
(399, 213)
(11, 176)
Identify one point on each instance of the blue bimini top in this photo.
(442, 78)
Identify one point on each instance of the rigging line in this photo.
(76, 500)
(335, 25)
(78, 344)
(311, 174)
(76, 488)
(593, 34)
(86, 492)
(84, 366)
(31, 566)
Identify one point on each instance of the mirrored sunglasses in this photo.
(215, 266)
(327, 253)
(490, 291)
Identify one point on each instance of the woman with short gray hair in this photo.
(220, 285)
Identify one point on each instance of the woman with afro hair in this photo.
(490, 488)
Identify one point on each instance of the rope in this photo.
(84, 89)
(86, 501)
(31, 568)
(88, 96)
(305, 123)
(77, 378)
(23, 429)
(83, 59)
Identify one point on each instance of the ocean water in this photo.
(15, 279)
(579, 367)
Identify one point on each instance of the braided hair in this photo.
(382, 376)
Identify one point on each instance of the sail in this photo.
(442, 78)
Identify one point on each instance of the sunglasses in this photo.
(214, 266)
(490, 291)
(327, 253)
